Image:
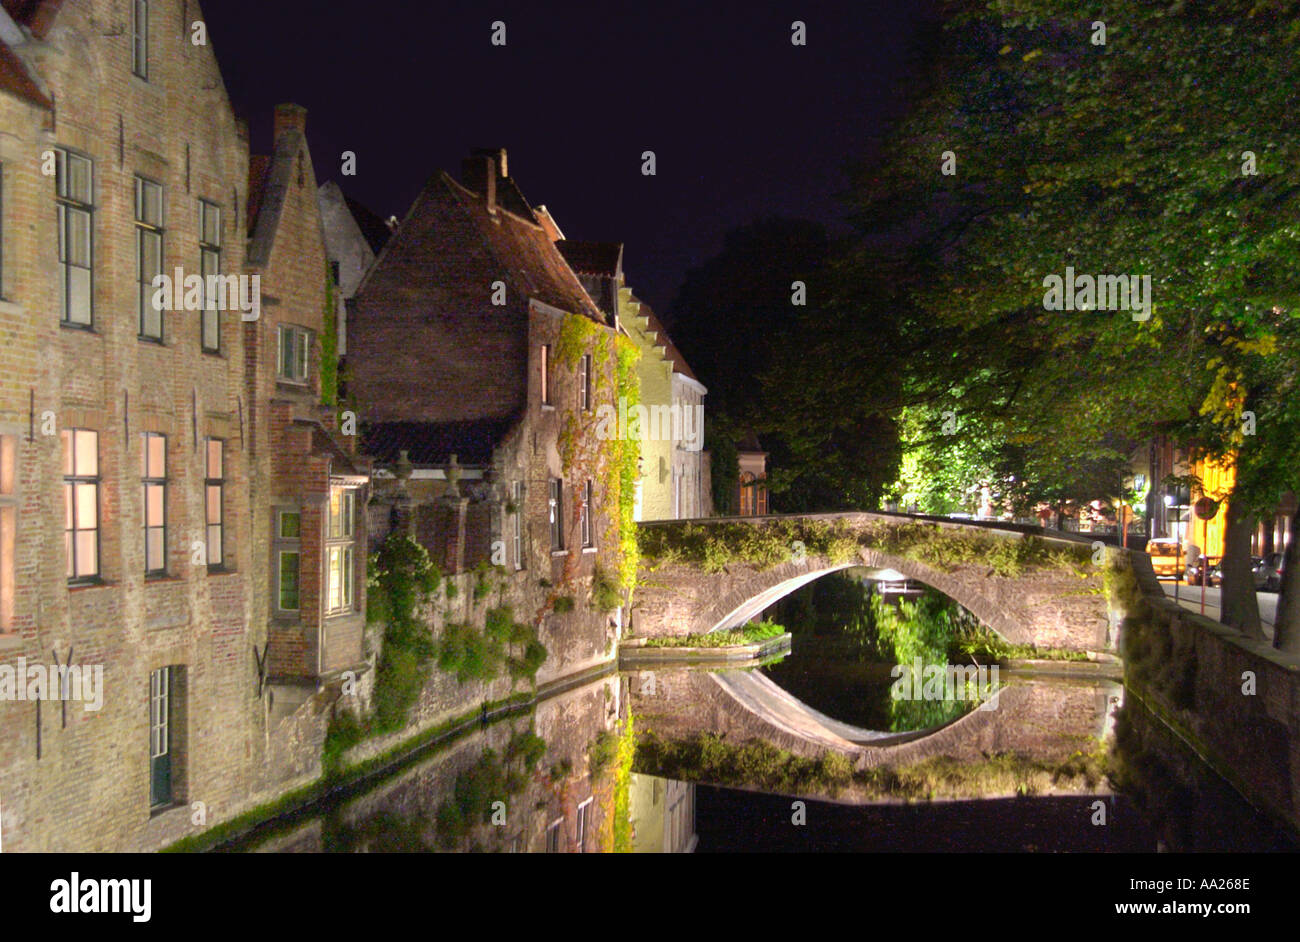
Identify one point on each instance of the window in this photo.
(81, 502)
(553, 836)
(288, 559)
(339, 545)
(140, 38)
(546, 374)
(215, 486)
(153, 472)
(584, 517)
(209, 265)
(160, 737)
(583, 810)
(557, 514)
(517, 524)
(75, 192)
(584, 383)
(148, 254)
(8, 523)
(292, 359)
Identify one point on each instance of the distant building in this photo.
(354, 236)
(675, 470)
(751, 488)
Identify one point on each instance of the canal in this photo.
(1025, 755)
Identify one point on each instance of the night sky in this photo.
(743, 124)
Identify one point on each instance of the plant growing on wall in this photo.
(329, 343)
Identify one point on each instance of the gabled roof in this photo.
(593, 258)
(18, 81)
(268, 186)
(661, 338)
(373, 229)
(524, 251)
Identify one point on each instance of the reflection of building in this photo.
(752, 487)
(663, 815)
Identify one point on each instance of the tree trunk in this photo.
(1240, 606)
(1286, 627)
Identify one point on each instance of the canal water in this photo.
(554, 777)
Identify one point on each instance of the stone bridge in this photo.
(1029, 585)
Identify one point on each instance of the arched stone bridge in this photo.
(1029, 585)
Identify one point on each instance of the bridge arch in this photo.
(1057, 599)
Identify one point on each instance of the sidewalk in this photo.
(1189, 597)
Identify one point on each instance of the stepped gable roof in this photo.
(671, 353)
(522, 248)
(433, 443)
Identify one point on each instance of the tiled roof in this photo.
(593, 258)
(528, 256)
(433, 443)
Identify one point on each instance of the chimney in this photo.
(290, 117)
(478, 172)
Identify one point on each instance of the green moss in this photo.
(623, 788)
(329, 343)
(605, 596)
(746, 634)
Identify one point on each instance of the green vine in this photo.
(329, 344)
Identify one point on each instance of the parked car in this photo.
(1165, 555)
(1204, 571)
(1272, 567)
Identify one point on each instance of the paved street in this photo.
(1189, 597)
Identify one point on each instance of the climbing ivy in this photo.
(329, 343)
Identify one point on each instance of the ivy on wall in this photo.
(329, 343)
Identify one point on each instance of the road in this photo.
(1189, 597)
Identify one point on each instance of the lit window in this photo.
(215, 487)
(546, 374)
(339, 549)
(75, 194)
(148, 254)
(81, 502)
(153, 472)
(291, 363)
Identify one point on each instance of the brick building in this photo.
(143, 443)
(456, 364)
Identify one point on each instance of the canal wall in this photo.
(1234, 700)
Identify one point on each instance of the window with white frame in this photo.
(340, 541)
(584, 517)
(291, 363)
(74, 186)
(287, 547)
(81, 502)
(584, 812)
(584, 383)
(517, 525)
(214, 484)
(153, 475)
(140, 38)
(8, 528)
(162, 683)
(148, 255)
(209, 265)
(555, 503)
(553, 834)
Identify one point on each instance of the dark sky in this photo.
(743, 124)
